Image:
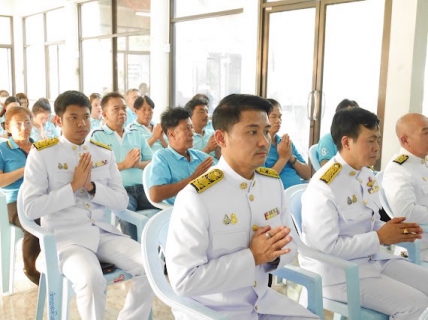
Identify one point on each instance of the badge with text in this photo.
(271, 213)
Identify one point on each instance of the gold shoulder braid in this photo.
(331, 173)
(43, 144)
(207, 180)
(99, 144)
(267, 172)
(401, 158)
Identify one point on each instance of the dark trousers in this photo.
(137, 201)
(30, 245)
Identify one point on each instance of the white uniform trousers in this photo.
(81, 266)
(401, 291)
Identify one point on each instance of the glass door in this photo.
(316, 54)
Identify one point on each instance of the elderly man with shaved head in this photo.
(405, 179)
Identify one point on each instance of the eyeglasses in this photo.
(19, 125)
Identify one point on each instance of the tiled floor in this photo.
(22, 304)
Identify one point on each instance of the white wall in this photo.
(405, 70)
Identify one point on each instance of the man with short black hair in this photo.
(340, 217)
(69, 182)
(174, 167)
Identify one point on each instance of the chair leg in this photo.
(41, 299)
(13, 240)
(6, 242)
(67, 295)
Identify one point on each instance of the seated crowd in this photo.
(225, 179)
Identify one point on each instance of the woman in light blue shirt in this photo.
(283, 155)
(153, 133)
(42, 127)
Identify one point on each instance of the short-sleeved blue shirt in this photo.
(130, 116)
(147, 134)
(288, 175)
(201, 141)
(131, 139)
(50, 131)
(168, 166)
(326, 148)
(12, 157)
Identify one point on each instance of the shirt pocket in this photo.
(62, 178)
(229, 242)
(353, 214)
(100, 174)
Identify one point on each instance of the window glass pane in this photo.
(210, 52)
(55, 27)
(5, 34)
(97, 68)
(425, 103)
(194, 7)
(133, 71)
(139, 43)
(96, 18)
(34, 29)
(133, 16)
(6, 67)
(352, 56)
(57, 70)
(121, 43)
(36, 72)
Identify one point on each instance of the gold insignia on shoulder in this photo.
(207, 180)
(331, 173)
(43, 144)
(99, 144)
(401, 158)
(267, 172)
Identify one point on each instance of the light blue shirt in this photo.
(168, 167)
(209, 125)
(50, 132)
(96, 124)
(326, 148)
(12, 157)
(130, 116)
(147, 134)
(201, 141)
(288, 175)
(131, 139)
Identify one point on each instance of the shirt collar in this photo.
(72, 146)
(107, 129)
(13, 145)
(412, 157)
(234, 178)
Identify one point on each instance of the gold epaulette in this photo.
(331, 173)
(43, 144)
(401, 158)
(207, 180)
(99, 144)
(267, 172)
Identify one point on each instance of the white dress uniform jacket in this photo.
(74, 218)
(340, 218)
(405, 181)
(207, 251)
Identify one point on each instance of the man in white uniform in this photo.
(227, 228)
(340, 218)
(405, 179)
(69, 181)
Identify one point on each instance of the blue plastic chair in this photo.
(352, 309)
(313, 156)
(154, 236)
(146, 176)
(53, 285)
(9, 236)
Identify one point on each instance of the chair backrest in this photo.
(382, 197)
(313, 156)
(154, 236)
(293, 197)
(146, 176)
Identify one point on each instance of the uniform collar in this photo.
(346, 168)
(234, 178)
(412, 157)
(72, 146)
(13, 145)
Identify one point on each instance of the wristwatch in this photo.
(294, 161)
(94, 189)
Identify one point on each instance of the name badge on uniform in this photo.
(271, 213)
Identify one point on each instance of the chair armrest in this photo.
(413, 249)
(136, 219)
(311, 281)
(351, 275)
